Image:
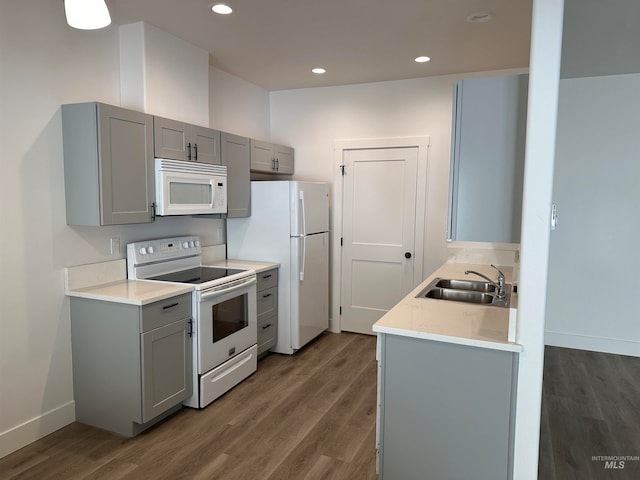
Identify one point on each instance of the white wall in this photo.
(312, 120)
(594, 260)
(43, 64)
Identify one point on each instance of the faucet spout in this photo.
(499, 284)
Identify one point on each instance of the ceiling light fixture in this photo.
(318, 70)
(422, 59)
(221, 8)
(87, 14)
(480, 17)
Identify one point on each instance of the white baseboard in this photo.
(596, 344)
(36, 428)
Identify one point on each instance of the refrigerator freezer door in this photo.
(309, 288)
(309, 208)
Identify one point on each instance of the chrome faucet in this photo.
(499, 284)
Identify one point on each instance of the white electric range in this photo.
(224, 311)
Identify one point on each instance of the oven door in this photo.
(226, 322)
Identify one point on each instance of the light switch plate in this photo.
(115, 245)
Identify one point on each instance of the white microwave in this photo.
(190, 188)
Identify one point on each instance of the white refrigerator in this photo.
(289, 224)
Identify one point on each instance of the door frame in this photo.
(422, 143)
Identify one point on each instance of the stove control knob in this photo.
(197, 243)
(185, 244)
(150, 250)
(143, 251)
(191, 244)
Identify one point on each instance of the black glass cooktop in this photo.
(197, 275)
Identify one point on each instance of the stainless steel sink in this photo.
(468, 285)
(460, 296)
(466, 291)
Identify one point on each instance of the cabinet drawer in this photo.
(267, 302)
(165, 312)
(267, 279)
(267, 334)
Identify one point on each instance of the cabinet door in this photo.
(166, 367)
(236, 155)
(171, 139)
(127, 187)
(284, 159)
(262, 159)
(205, 145)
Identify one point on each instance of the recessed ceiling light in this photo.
(422, 59)
(479, 17)
(221, 8)
(318, 70)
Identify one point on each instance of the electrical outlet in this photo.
(115, 245)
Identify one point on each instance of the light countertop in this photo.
(133, 292)
(453, 322)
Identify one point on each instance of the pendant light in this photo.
(87, 14)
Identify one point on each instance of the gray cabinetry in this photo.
(181, 141)
(108, 165)
(236, 155)
(131, 364)
(271, 158)
(446, 411)
(267, 308)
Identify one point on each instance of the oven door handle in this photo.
(219, 291)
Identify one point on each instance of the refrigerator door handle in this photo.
(302, 213)
(303, 260)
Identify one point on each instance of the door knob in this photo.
(407, 254)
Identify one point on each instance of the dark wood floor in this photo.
(590, 407)
(312, 416)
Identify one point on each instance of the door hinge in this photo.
(342, 169)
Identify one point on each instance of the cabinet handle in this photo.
(167, 307)
(195, 149)
(153, 211)
(277, 164)
(190, 328)
(189, 151)
(266, 296)
(264, 277)
(273, 164)
(264, 327)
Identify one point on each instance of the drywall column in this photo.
(544, 79)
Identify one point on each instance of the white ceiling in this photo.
(275, 43)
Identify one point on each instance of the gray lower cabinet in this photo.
(131, 364)
(182, 141)
(108, 164)
(267, 308)
(271, 158)
(445, 411)
(236, 155)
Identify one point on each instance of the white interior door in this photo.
(378, 232)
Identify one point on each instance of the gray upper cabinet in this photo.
(182, 141)
(271, 158)
(236, 155)
(108, 164)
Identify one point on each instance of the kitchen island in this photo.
(446, 386)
